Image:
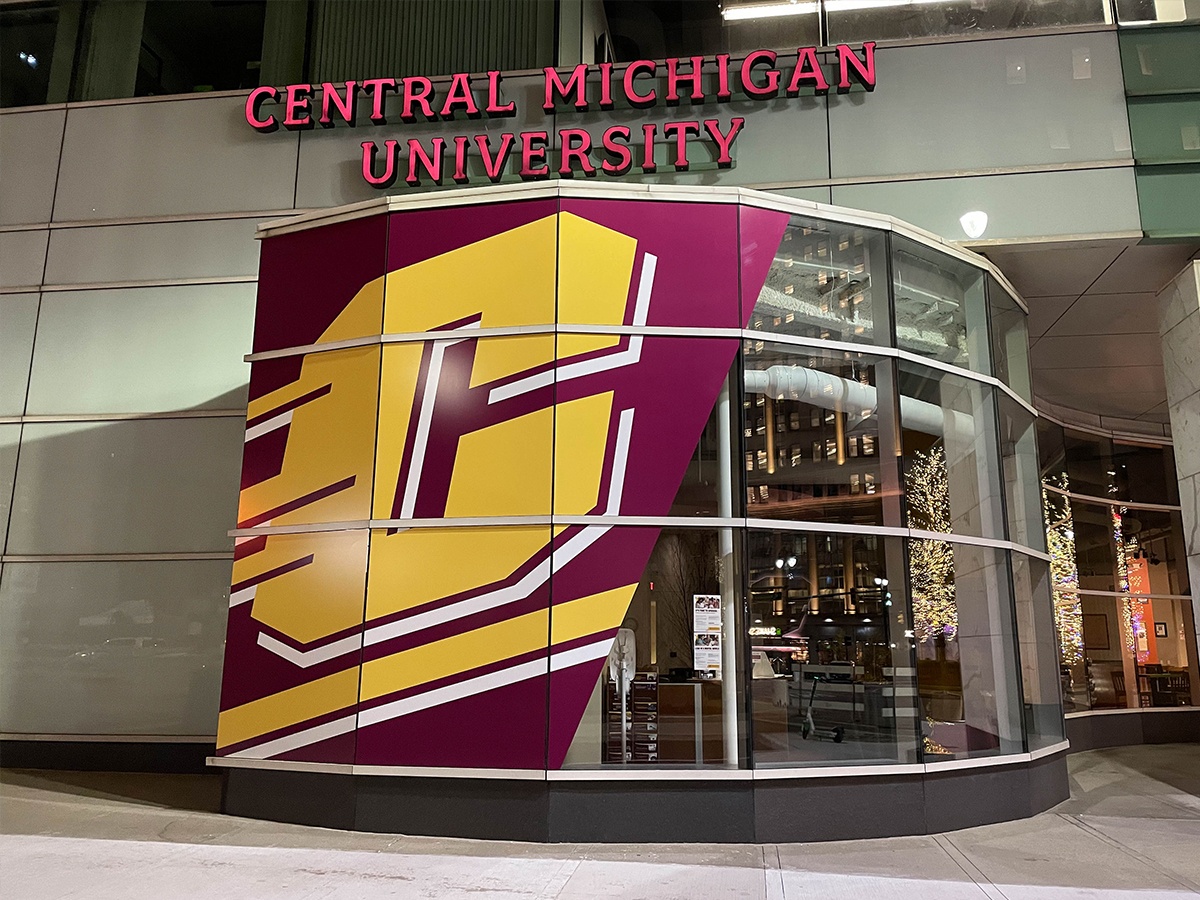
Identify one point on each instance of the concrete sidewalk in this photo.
(1131, 830)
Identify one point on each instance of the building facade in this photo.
(1058, 141)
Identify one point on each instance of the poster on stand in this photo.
(706, 655)
(706, 614)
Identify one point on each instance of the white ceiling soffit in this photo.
(1093, 321)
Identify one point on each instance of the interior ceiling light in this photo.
(974, 223)
(740, 12)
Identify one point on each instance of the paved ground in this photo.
(1130, 831)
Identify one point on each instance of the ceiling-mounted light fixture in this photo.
(736, 12)
(974, 223)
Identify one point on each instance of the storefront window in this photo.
(1010, 339)
(941, 312)
(1019, 458)
(1040, 673)
(827, 281)
(672, 675)
(712, 468)
(1118, 571)
(950, 453)
(970, 701)
(831, 670)
(814, 427)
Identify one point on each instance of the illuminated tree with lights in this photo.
(1132, 617)
(931, 561)
(1064, 570)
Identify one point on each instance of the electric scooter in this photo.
(809, 729)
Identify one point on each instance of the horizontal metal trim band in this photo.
(114, 557)
(1055, 239)
(1145, 710)
(147, 283)
(1089, 593)
(35, 419)
(882, 769)
(279, 765)
(648, 774)
(944, 174)
(112, 738)
(1060, 747)
(647, 331)
(636, 522)
(982, 762)
(1104, 501)
(626, 774)
(1143, 439)
(168, 219)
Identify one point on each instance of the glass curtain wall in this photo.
(1122, 604)
(884, 577)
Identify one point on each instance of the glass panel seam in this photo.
(1104, 501)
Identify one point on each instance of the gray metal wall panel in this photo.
(171, 158)
(984, 104)
(29, 144)
(104, 487)
(22, 257)
(1093, 201)
(143, 350)
(210, 248)
(18, 316)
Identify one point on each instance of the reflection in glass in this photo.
(1146, 12)
(827, 281)
(966, 664)
(949, 453)
(639, 30)
(1010, 339)
(700, 489)
(671, 677)
(811, 425)
(1039, 662)
(112, 647)
(1064, 578)
(1019, 459)
(27, 37)
(941, 312)
(862, 20)
(831, 674)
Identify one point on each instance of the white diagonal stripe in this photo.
(298, 740)
(245, 595)
(306, 658)
(257, 431)
(424, 417)
(627, 357)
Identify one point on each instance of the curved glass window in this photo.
(817, 429)
(831, 672)
(827, 281)
(1118, 573)
(950, 453)
(941, 312)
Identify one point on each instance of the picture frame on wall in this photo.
(1095, 631)
(1160, 629)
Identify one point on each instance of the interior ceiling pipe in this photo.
(834, 392)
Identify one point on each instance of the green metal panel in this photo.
(1160, 59)
(1165, 129)
(1169, 197)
